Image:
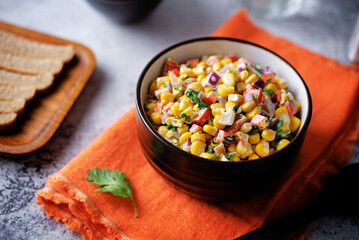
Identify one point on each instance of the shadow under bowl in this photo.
(209, 179)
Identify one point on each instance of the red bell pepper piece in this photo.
(258, 96)
(260, 121)
(268, 77)
(203, 116)
(232, 57)
(195, 128)
(210, 98)
(291, 107)
(169, 66)
(221, 136)
(192, 62)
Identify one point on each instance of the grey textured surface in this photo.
(122, 51)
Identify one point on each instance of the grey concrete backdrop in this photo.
(122, 51)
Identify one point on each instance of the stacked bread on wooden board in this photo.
(26, 67)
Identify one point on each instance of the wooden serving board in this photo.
(44, 114)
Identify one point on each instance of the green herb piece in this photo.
(229, 139)
(211, 118)
(286, 89)
(153, 123)
(186, 117)
(268, 91)
(279, 123)
(171, 127)
(212, 146)
(179, 88)
(235, 108)
(147, 109)
(247, 69)
(258, 75)
(230, 155)
(176, 143)
(113, 182)
(269, 80)
(193, 96)
(255, 96)
(280, 134)
(270, 121)
(254, 130)
(258, 67)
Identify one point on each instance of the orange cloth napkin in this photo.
(166, 213)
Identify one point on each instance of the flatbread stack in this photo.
(26, 67)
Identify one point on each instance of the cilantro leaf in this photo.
(280, 134)
(186, 117)
(171, 127)
(279, 123)
(258, 67)
(113, 182)
(254, 130)
(179, 88)
(229, 139)
(235, 108)
(193, 96)
(255, 96)
(268, 91)
(230, 155)
(212, 146)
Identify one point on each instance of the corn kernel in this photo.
(153, 87)
(232, 148)
(236, 159)
(272, 87)
(162, 81)
(248, 106)
(211, 130)
(216, 122)
(182, 77)
(246, 127)
(175, 109)
(190, 113)
(244, 150)
(198, 137)
(281, 144)
(195, 86)
(208, 156)
(198, 147)
(202, 64)
(177, 93)
(297, 104)
(169, 134)
(254, 111)
(262, 148)
(252, 78)
(201, 77)
(230, 106)
(243, 75)
(294, 123)
(241, 87)
(182, 129)
(282, 112)
(226, 61)
(229, 79)
(217, 109)
(224, 90)
(236, 98)
(150, 107)
(174, 122)
(280, 83)
(196, 108)
(254, 138)
(284, 128)
(162, 130)
(156, 118)
(166, 97)
(217, 66)
(184, 105)
(199, 70)
(184, 137)
(268, 134)
(187, 71)
(253, 156)
(208, 90)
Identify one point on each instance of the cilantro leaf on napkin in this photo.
(113, 182)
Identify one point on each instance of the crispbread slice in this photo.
(30, 65)
(10, 92)
(8, 106)
(20, 45)
(39, 81)
(7, 121)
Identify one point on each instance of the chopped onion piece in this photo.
(227, 118)
(248, 96)
(224, 70)
(268, 107)
(211, 80)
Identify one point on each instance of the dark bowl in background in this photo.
(210, 179)
(125, 11)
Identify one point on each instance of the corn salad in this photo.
(223, 108)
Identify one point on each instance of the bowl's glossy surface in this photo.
(125, 11)
(209, 179)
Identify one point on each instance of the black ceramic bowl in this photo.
(125, 11)
(210, 179)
